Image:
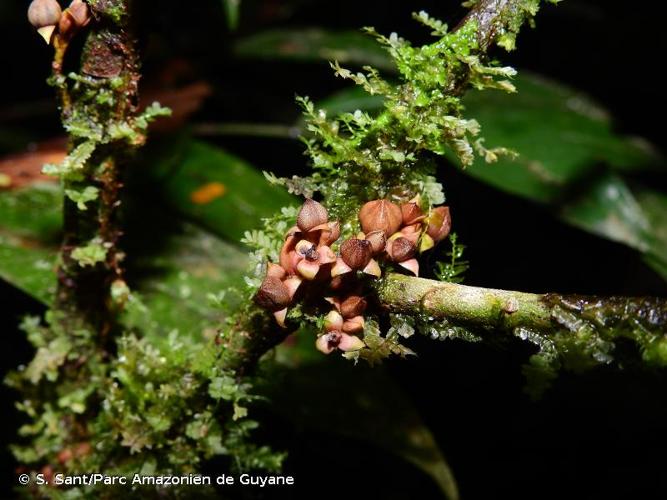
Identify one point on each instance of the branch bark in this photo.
(505, 311)
(103, 95)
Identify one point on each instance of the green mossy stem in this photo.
(103, 95)
(505, 311)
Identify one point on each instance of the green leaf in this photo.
(216, 189)
(30, 221)
(636, 217)
(315, 44)
(561, 137)
(333, 396)
(175, 279)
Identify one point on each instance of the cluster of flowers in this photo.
(392, 232)
(48, 18)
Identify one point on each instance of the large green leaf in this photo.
(333, 396)
(561, 138)
(315, 44)
(214, 188)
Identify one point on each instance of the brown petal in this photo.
(380, 215)
(330, 234)
(272, 294)
(312, 214)
(356, 253)
(354, 325)
(411, 213)
(378, 241)
(275, 271)
(439, 223)
(401, 249)
(354, 305)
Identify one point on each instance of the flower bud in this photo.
(411, 213)
(378, 241)
(401, 249)
(352, 306)
(439, 223)
(75, 17)
(44, 15)
(312, 214)
(272, 294)
(380, 215)
(356, 253)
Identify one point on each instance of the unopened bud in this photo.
(378, 241)
(439, 223)
(312, 214)
(272, 294)
(401, 249)
(356, 253)
(354, 325)
(44, 15)
(352, 306)
(411, 213)
(75, 17)
(380, 215)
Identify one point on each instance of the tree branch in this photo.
(99, 100)
(501, 310)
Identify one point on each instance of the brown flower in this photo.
(439, 223)
(401, 249)
(311, 215)
(354, 305)
(380, 215)
(356, 253)
(411, 212)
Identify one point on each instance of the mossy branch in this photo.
(505, 311)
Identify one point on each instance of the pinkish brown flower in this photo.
(381, 215)
(439, 223)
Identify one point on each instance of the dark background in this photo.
(598, 435)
